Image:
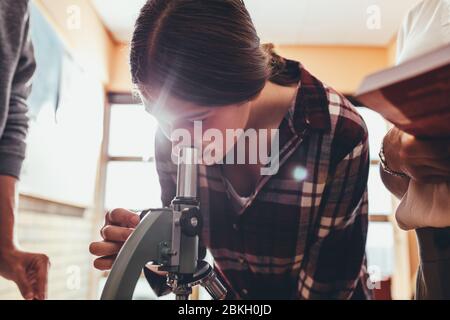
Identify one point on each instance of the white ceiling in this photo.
(307, 22)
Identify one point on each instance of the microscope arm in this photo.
(168, 237)
(142, 246)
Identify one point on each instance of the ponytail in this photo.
(283, 71)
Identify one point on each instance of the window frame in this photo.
(118, 99)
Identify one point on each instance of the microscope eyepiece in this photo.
(187, 173)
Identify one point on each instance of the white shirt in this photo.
(425, 28)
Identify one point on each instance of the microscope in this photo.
(169, 238)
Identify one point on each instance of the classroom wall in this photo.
(392, 51)
(60, 230)
(63, 233)
(340, 67)
(120, 81)
(89, 42)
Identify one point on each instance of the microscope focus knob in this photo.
(191, 221)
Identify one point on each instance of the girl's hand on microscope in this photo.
(119, 225)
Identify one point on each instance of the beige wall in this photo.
(392, 51)
(340, 67)
(120, 81)
(90, 44)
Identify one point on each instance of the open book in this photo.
(415, 96)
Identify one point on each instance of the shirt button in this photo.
(244, 292)
(235, 227)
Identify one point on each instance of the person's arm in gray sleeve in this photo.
(28, 270)
(12, 141)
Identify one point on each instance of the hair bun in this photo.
(282, 71)
(276, 62)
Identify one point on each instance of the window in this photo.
(132, 185)
(380, 239)
(380, 250)
(132, 131)
(131, 177)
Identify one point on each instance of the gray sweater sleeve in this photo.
(17, 66)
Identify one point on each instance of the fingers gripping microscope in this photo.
(168, 237)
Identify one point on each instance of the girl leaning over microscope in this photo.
(299, 233)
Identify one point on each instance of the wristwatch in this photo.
(386, 167)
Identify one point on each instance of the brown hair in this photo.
(204, 51)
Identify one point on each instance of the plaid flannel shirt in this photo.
(293, 239)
